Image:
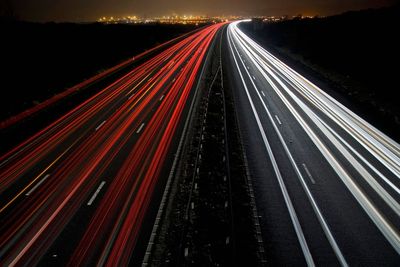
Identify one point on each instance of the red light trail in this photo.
(106, 154)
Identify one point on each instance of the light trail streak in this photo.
(305, 102)
(96, 138)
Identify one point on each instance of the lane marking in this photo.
(37, 177)
(369, 137)
(278, 120)
(161, 98)
(96, 193)
(140, 128)
(254, 77)
(365, 202)
(308, 173)
(37, 185)
(368, 206)
(160, 212)
(262, 93)
(381, 146)
(132, 95)
(285, 193)
(101, 124)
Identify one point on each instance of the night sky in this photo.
(89, 10)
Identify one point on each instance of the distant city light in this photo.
(189, 19)
(168, 19)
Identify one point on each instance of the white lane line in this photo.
(348, 121)
(140, 128)
(101, 124)
(308, 173)
(96, 193)
(288, 202)
(131, 96)
(262, 93)
(382, 147)
(161, 98)
(254, 77)
(171, 174)
(37, 185)
(18, 152)
(248, 67)
(361, 197)
(360, 130)
(380, 221)
(278, 120)
(316, 209)
(367, 204)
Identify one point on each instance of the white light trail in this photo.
(303, 100)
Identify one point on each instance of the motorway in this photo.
(326, 181)
(78, 191)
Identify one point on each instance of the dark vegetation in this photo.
(40, 60)
(356, 53)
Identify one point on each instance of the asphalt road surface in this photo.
(78, 191)
(327, 182)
